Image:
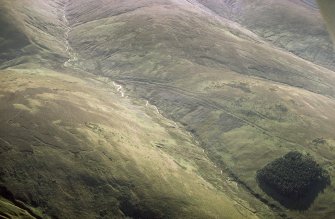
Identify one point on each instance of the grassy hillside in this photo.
(32, 32)
(74, 148)
(246, 100)
(10, 210)
(294, 25)
(84, 128)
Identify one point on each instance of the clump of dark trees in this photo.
(294, 178)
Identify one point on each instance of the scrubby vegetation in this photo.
(318, 141)
(293, 176)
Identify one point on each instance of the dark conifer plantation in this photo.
(293, 178)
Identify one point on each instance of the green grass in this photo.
(246, 102)
(84, 151)
(9, 210)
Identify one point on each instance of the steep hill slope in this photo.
(244, 100)
(295, 25)
(73, 147)
(33, 32)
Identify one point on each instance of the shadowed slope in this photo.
(245, 101)
(327, 9)
(12, 41)
(296, 26)
(35, 31)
